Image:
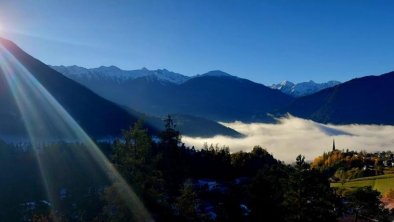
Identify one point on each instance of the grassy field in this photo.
(382, 183)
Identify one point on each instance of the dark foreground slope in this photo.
(98, 116)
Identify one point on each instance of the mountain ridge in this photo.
(99, 117)
(363, 100)
(115, 73)
(96, 115)
(215, 95)
(303, 88)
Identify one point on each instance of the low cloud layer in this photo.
(292, 136)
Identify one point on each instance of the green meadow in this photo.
(381, 183)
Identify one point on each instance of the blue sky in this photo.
(265, 41)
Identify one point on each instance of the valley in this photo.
(196, 111)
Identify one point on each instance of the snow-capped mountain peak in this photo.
(164, 74)
(116, 74)
(283, 85)
(303, 88)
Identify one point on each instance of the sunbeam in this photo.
(56, 124)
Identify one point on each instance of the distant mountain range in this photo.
(97, 116)
(219, 96)
(215, 95)
(303, 88)
(113, 73)
(366, 100)
(197, 102)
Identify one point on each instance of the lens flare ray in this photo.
(45, 119)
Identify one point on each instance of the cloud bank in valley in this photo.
(292, 136)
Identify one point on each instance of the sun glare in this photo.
(25, 89)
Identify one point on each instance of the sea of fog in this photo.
(292, 136)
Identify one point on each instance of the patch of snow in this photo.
(116, 74)
(303, 88)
